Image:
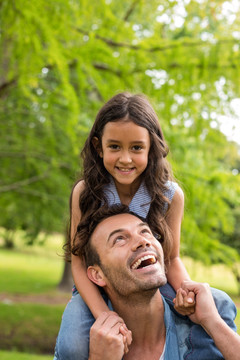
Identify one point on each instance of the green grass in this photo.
(35, 269)
(13, 355)
(29, 327)
(26, 327)
(237, 321)
(28, 273)
(218, 276)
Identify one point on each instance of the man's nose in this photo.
(140, 241)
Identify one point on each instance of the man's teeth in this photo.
(139, 261)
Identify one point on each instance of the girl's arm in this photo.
(88, 291)
(176, 271)
(206, 314)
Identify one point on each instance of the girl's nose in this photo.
(125, 158)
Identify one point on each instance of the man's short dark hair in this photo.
(85, 229)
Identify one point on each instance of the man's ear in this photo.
(95, 274)
(97, 144)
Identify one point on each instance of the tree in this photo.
(61, 60)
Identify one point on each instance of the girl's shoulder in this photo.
(77, 190)
(172, 188)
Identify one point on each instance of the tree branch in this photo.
(22, 155)
(130, 10)
(22, 183)
(5, 85)
(105, 67)
(37, 193)
(110, 42)
(191, 43)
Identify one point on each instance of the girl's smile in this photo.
(125, 148)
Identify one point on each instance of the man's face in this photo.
(131, 257)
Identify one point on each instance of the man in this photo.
(125, 259)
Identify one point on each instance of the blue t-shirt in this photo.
(140, 203)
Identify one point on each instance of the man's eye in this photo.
(118, 239)
(146, 231)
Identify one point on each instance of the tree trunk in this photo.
(8, 237)
(66, 282)
(236, 273)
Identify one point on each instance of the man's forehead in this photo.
(115, 222)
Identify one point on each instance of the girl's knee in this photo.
(72, 348)
(226, 307)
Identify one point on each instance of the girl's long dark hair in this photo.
(136, 108)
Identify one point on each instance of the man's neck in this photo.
(146, 321)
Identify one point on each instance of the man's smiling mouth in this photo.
(143, 262)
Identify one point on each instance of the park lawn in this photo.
(237, 321)
(13, 355)
(35, 269)
(218, 276)
(29, 327)
(24, 273)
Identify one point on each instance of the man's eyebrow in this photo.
(114, 232)
(144, 224)
(122, 229)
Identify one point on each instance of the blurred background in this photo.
(59, 62)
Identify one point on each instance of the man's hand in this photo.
(184, 302)
(109, 338)
(205, 309)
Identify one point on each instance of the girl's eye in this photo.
(137, 147)
(114, 147)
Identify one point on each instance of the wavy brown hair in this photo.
(135, 108)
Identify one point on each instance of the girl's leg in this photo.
(73, 337)
(168, 293)
(199, 343)
(226, 307)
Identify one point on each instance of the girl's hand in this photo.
(127, 337)
(127, 334)
(106, 340)
(184, 303)
(123, 330)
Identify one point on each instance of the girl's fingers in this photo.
(179, 302)
(191, 297)
(127, 337)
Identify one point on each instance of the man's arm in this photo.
(106, 340)
(206, 315)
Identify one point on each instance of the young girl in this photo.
(124, 161)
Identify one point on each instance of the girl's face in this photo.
(125, 148)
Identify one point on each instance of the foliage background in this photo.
(60, 60)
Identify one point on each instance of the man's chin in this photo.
(155, 284)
